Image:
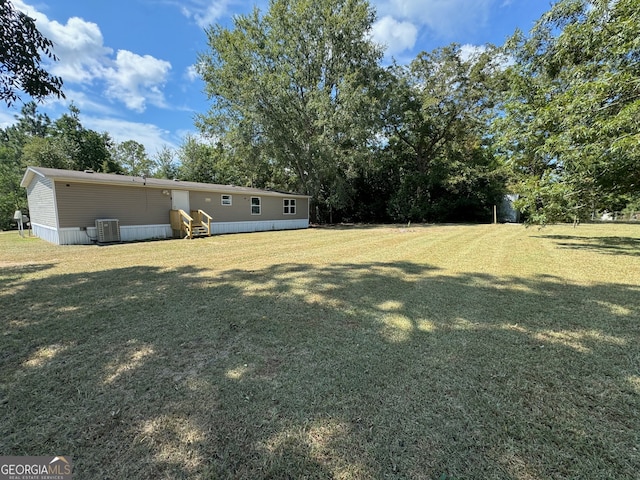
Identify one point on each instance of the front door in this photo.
(180, 200)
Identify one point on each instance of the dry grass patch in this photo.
(428, 352)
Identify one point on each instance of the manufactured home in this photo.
(70, 207)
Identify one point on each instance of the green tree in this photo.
(299, 84)
(21, 49)
(164, 160)
(441, 160)
(30, 125)
(12, 196)
(45, 152)
(132, 157)
(570, 124)
(85, 149)
(196, 161)
(203, 162)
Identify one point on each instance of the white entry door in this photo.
(180, 200)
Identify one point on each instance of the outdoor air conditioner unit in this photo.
(108, 230)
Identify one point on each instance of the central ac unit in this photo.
(108, 230)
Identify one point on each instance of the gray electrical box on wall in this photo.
(108, 230)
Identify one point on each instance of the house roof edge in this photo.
(127, 180)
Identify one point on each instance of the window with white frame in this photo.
(289, 206)
(225, 199)
(255, 206)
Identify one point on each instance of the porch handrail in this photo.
(207, 223)
(187, 221)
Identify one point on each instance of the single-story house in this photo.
(71, 207)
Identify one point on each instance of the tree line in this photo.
(300, 95)
(299, 100)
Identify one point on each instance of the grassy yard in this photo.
(429, 352)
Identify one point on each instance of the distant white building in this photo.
(607, 217)
(506, 211)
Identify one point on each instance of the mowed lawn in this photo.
(421, 352)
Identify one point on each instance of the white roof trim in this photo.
(28, 176)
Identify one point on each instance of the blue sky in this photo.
(128, 64)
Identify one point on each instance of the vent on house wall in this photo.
(108, 230)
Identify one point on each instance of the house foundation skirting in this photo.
(88, 236)
(45, 232)
(218, 228)
(132, 233)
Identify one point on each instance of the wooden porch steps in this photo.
(199, 231)
(198, 224)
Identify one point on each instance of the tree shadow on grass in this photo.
(12, 274)
(379, 370)
(606, 245)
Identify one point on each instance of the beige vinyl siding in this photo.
(273, 208)
(80, 204)
(42, 206)
(240, 209)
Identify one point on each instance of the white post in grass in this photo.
(17, 216)
(495, 214)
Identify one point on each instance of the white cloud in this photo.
(136, 79)
(130, 78)
(470, 52)
(208, 12)
(396, 36)
(499, 62)
(7, 119)
(184, 133)
(79, 47)
(151, 136)
(446, 18)
(191, 73)
(205, 12)
(81, 100)
(78, 44)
